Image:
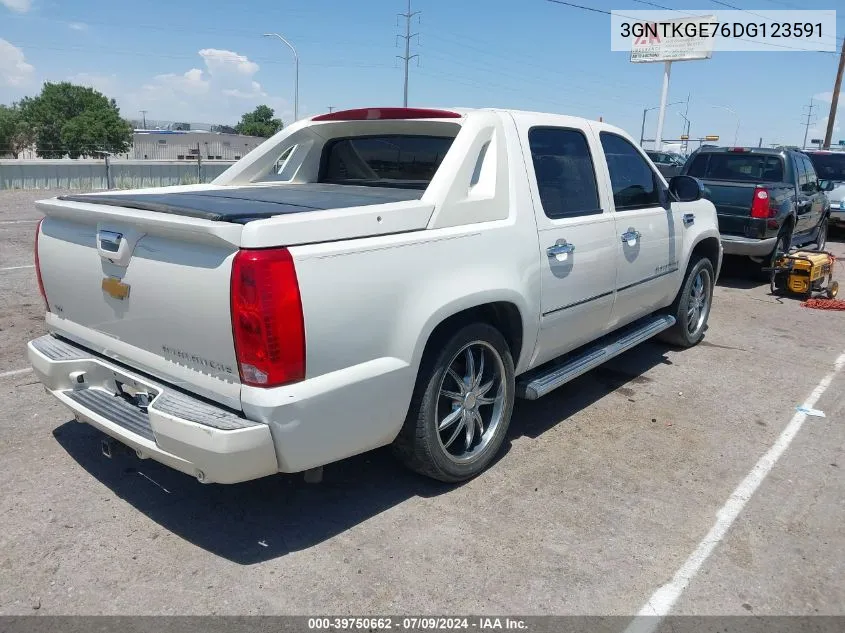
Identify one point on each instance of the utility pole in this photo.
(330, 109)
(661, 113)
(407, 57)
(834, 103)
(144, 116)
(808, 122)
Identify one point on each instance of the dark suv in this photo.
(830, 167)
(767, 200)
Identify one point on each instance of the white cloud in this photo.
(77, 26)
(254, 92)
(14, 69)
(220, 61)
(219, 92)
(193, 82)
(823, 96)
(21, 6)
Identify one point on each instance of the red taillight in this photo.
(38, 266)
(267, 322)
(761, 205)
(376, 114)
(739, 150)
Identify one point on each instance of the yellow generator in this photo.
(805, 273)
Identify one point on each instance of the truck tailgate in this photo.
(733, 204)
(151, 292)
(144, 277)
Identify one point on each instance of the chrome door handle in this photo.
(561, 248)
(689, 218)
(631, 236)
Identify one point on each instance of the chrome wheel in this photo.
(821, 239)
(470, 401)
(699, 302)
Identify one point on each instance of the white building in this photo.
(186, 145)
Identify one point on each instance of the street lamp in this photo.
(642, 130)
(686, 132)
(732, 111)
(296, 82)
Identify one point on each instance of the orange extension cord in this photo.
(825, 304)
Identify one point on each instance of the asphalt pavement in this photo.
(607, 488)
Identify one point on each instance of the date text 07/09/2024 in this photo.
(424, 623)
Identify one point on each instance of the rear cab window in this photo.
(405, 161)
(745, 167)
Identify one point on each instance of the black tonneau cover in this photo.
(243, 204)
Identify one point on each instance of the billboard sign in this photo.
(668, 41)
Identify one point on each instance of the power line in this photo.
(789, 5)
(808, 122)
(578, 6)
(513, 59)
(262, 60)
(533, 77)
(407, 57)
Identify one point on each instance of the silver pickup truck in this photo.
(364, 278)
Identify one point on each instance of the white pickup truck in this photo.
(364, 278)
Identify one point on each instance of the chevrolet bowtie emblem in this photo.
(115, 288)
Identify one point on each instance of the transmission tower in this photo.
(407, 57)
(808, 122)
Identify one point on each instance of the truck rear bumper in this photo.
(736, 245)
(206, 441)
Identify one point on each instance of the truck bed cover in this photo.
(243, 204)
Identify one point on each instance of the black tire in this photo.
(690, 325)
(782, 246)
(821, 238)
(420, 444)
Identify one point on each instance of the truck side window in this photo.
(564, 170)
(635, 186)
(812, 178)
(801, 172)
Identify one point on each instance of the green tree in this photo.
(16, 134)
(75, 120)
(259, 122)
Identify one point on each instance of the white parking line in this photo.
(16, 372)
(17, 267)
(662, 600)
(17, 221)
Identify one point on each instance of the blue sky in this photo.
(206, 61)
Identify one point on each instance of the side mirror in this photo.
(827, 185)
(686, 188)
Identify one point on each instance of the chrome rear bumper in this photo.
(212, 443)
